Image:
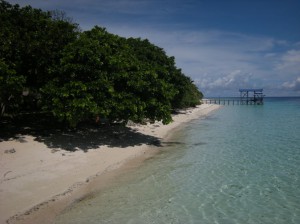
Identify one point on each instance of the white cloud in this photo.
(294, 85)
(232, 81)
(290, 62)
(270, 55)
(297, 44)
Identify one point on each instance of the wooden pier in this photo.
(247, 97)
(228, 102)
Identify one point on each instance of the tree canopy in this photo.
(48, 64)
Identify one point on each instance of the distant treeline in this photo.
(47, 64)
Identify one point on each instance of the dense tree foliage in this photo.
(31, 43)
(81, 75)
(155, 58)
(11, 88)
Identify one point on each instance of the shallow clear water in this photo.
(239, 165)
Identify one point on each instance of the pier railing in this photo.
(233, 101)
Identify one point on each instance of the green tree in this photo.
(80, 88)
(79, 75)
(31, 43)
(112, 81)
(11, 87)
(186, 94)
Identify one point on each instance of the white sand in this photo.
(40, 172)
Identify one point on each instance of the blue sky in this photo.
(223, 45)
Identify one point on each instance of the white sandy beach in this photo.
(37, 172)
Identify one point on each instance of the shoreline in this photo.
(40, 179)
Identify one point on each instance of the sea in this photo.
(240, 164)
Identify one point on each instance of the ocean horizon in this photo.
(240, 164)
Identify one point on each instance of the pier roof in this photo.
(250, 90)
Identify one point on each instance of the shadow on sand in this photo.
(86, 137)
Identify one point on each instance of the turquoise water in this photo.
(239, 165)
